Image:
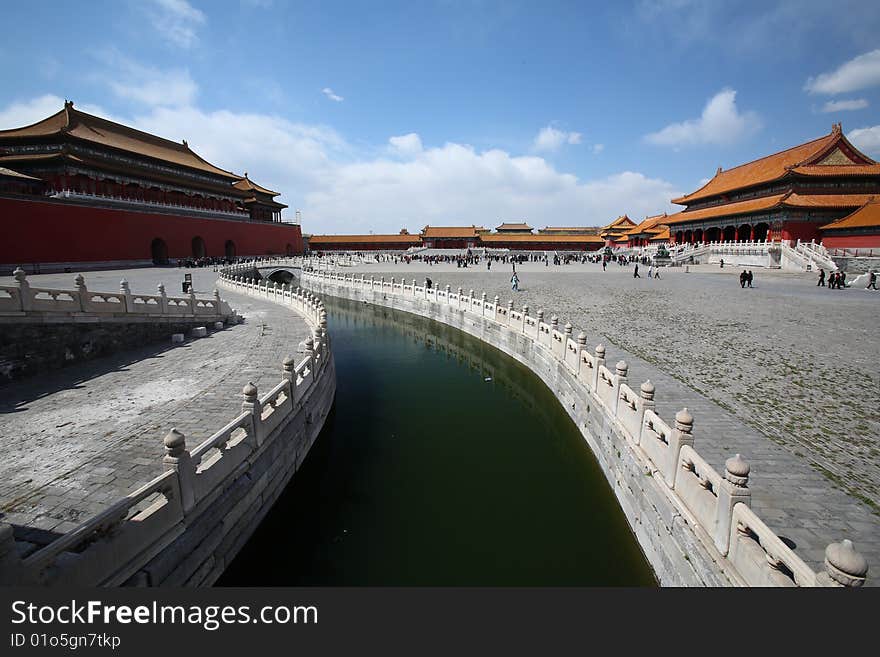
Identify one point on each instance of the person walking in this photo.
(872, 280)
(749, 278)
(514, 282)
(742, 279)
(821, 282)
(841, 280)
(651, 271)
(636, 271)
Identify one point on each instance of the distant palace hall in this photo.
(78, 188)
(802, 193)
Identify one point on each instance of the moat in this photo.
(444, 462)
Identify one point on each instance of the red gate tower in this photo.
(78, 191)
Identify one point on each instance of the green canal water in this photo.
(443, 462)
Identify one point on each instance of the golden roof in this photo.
(451, 231)
(867, 216)
(787, 199)
(832, 154)
(94, 129)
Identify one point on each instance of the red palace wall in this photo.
(802, 230)
(41, 231)
(852, 241)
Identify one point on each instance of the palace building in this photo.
(614, 233)
(78, 189)
(789, 195)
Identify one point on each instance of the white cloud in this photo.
(327, 91)
(176, 21)
(858, 73)
(407, 145)
(144, 84)
(551, 139)
(844, 105)
(343, 189)
(598, 148)
(866, 139)
(720, 123)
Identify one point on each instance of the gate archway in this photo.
(230, 249)
(198, 247)
(159, 251)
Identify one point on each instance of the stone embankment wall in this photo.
(694, 524)
(47, 328)
(183, 527)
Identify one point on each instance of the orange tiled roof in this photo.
(838, 170)
(506, 226)
(801, 158)
(248, 185)
(767, 202)
(451, 231)
(543, 239)
(663, 236)
(621, 222)
(867, 216)
(100, 131)
(826, 200)
(364, 239)
(649, 224)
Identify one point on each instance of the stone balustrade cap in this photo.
(568, 327)
(582, 337)
(250, 390)
(684, 417)
(600, 350)
(622, 366)
(647, 387)
(737, 466)
(289, 362)
(843, 557)
(19, 274)
(174, 440)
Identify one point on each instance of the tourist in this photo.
(514, 282)
(488, 265)
(821, 282)
(604, 264)
(841, 280)
(651, 271)
(832, 281)
(657, 273)
(636, 271)
(872, 280)
(749, 278)
(722, 263)
(742, 278)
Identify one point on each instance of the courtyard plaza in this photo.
(78, 439)
(785, 373)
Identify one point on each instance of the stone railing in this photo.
(22, 300)
(694, 523)
(258, 450)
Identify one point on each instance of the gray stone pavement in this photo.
(785, 374)
(77, 440)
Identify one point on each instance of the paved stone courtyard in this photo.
(77, 440)
(785, 373)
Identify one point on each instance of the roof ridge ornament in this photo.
(836, 129)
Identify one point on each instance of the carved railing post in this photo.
(125, 291)
(426, 288)
(540, 318)
(734, 488)
(192, 301)
(83, 292)
(459, 296)
(843, 566)
(646, 392)
(509, 312)
(554, 324)
(24, 289)
(495, 310)
(252, 405)
(218, 302)
(682, 435)
(600, 361)
(618, 379)
(177, 458)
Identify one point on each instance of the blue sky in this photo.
(372, 116)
